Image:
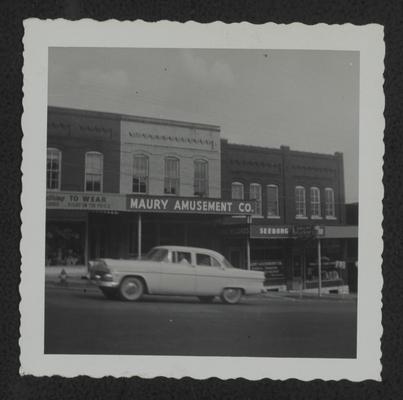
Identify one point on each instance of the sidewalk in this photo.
(72, 278)
(297, 295)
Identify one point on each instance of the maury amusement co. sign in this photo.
(188, 205)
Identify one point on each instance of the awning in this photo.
(341, 232)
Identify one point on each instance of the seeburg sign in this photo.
(188, 205)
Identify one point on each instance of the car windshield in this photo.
(157, 254)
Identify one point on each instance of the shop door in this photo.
(98, 242)
(297, 271)
(235, 258)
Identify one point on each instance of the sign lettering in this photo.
(188, 205)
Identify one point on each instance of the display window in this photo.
(65, 243)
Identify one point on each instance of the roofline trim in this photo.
(136, 118)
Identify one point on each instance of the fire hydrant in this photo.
(63, 278)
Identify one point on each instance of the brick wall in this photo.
(75, 132)
(286, 169)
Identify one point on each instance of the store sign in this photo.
(84, 201)
(188, 205)
(269, 231)
(308, 231)
(274, 271)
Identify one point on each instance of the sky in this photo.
(308, 100)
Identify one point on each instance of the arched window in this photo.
(94, 164)
(171, 180)
(315, 202)
(255, 193)
(300, 202)
(53, 169)
(201, 178)
(140, 173)
(329, 203)
(237, 191)
(272, 201)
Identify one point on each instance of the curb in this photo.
(292, 296)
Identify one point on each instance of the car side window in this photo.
(203, 259)
(206, 260)
(181, 257)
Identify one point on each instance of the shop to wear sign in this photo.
(188, 205)
(84, 201)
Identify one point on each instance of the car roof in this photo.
(192, 249)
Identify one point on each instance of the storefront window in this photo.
(329, 203)
(237, 191)
(255, 193)
(333, 266)
(269, 258)
(315, 202)
(272, 201)
(53, 168)
(201, 178)
(140, 173)
(93, 171)
(171, 181)
(65, 243)
(300, 203)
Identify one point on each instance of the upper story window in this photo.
(140, 173)
(53, 169)
(329, 203)
(201, 178)
(315, 202)
(171, 180)
(255, 193)
(300, 202)
(94, 164)
(237, 191)
(272, 201)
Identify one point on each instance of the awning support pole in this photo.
(139, 236)
(248, 243)
(319, 269)
(86, 244)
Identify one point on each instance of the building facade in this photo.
(118, 185)
(300, 205)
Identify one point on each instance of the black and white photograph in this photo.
(203, 202)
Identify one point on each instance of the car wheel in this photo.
(231, 295)
(131, 288)
(206, 299)
(109, 293)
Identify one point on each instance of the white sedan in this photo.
(176, 270)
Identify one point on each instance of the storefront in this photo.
(80, 227)
(301, 258)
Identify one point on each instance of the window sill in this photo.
(331, 218)
(257, 216)
(317, 217)
(301, 217)
(273, 217)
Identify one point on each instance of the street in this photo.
(272, 325)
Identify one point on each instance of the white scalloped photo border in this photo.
(42, 34)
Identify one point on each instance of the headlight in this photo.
(107, 277)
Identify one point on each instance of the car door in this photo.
(210, 275)
(178, 274)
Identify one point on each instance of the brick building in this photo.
(118, 185)
(301, 199)
(99, 162)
